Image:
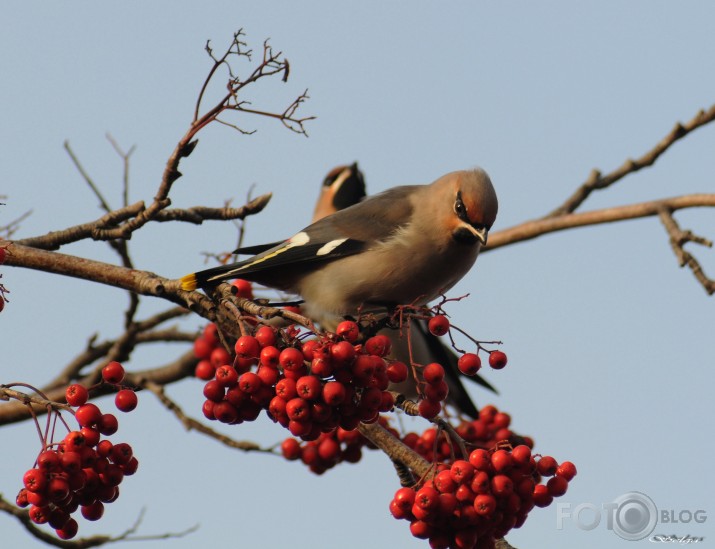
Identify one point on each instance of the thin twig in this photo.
(596, 180)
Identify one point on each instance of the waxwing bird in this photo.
(342, 187)
(406, 245)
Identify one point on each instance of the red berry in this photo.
(438, 325)
(121, 453)
(88, 415)
(557, 486)
(502, 486)
(225, 412)
(436, 392)
(364, 367)
(69, 530)
(266, 336)
(247, 347)
(420, 529)
(462, 471)
(521, 454)
(334, 393)
(298, 409)
(329, 450)
(502, 461)
(214, 391)
(48, 461)
(348, 330)
(91, 436)
(343, 352)
(309, 387)
(429, 409)
(204, 370)
(290, 448)
(379, 345)
(210, 334)
(270, 356)
(387, 402)
(485, 505)
(93, 511)
(35, 480)
(269, 376)
(76, 395)
(322, 366)
(219, 356)
(58, 489)
(481, 483)
(291, 359)
(227, 375)
(546, 466)
(427, 498)
(285, 389)
(566, 470)
(480, 459)
(311, 348)
(541, 496)
(126, 400)
(113, 373)
(469, 364)
(202, 348)
(243, 288)
(497, 360)
(444, 482)
(397, 372)
(433, 373)
(250, 383)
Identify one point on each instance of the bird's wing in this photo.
(255, 250)
(347, 232)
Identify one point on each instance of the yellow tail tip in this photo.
(188, 282)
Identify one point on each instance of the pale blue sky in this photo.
(609, 343)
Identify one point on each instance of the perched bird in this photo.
(407, 245)
(343, 187)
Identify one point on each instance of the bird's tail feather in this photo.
(197, 280)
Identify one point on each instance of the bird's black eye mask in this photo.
(461, 210)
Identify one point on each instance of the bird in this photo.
(344, 186)
(404, 246)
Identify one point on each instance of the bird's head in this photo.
(472, 204)
(342, 187)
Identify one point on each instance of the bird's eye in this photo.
(459, 208)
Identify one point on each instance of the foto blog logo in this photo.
(632, 516)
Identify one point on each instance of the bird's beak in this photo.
(482, 234)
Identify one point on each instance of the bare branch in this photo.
(539, 227)
(125, 171)
(10, 229)
(199, 214)
(598, 181)
(191, 424)
(87, 178)
(678, 238)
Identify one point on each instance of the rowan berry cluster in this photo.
(471, 503)
(309, 387)
(82, 471)
(489, 430)
(328, 450)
